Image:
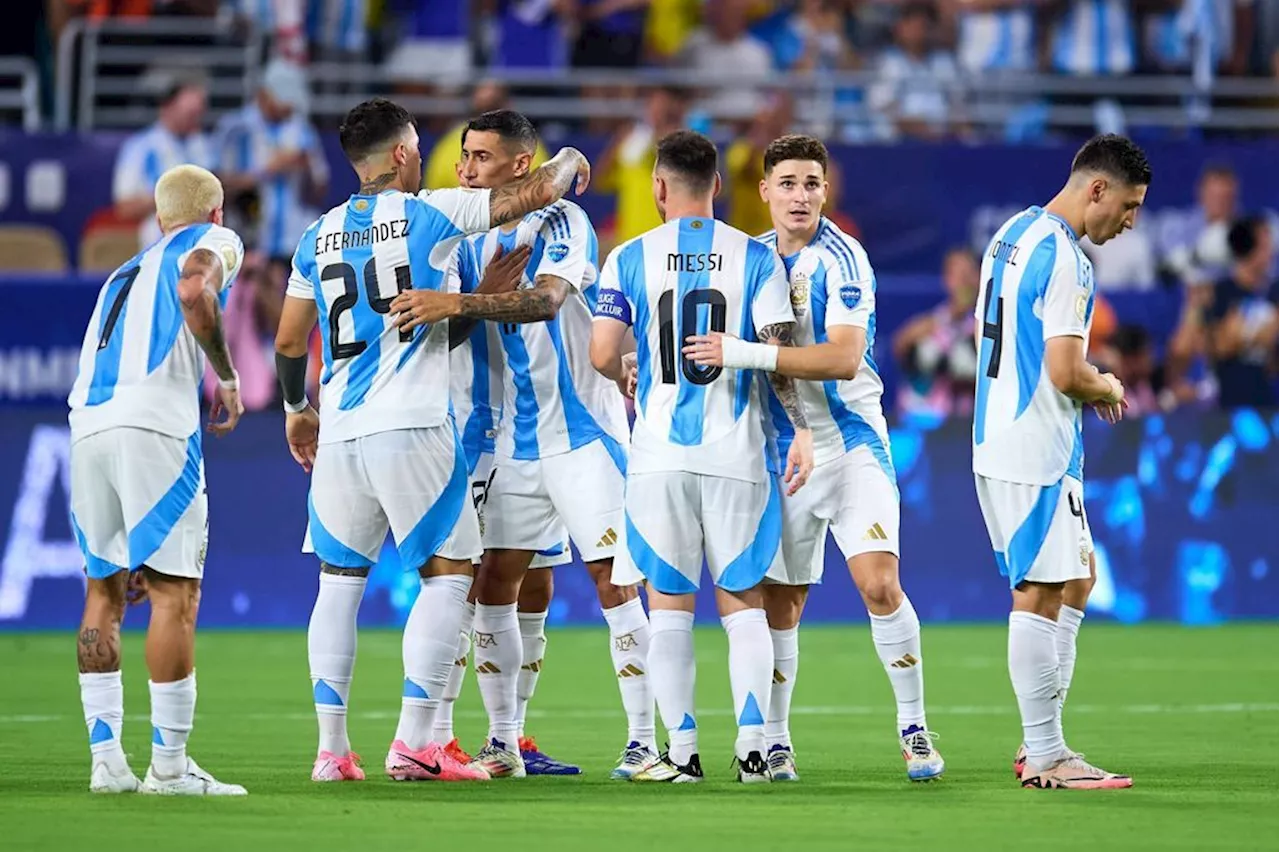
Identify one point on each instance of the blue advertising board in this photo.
(1183, 510)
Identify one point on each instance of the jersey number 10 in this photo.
(351, 296)
(670, 344)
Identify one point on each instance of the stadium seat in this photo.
(31, 248)
(104, 249)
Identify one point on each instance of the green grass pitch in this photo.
(1190, 713)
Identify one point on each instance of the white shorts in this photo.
(856, 497)
(411, 481)
(1040, 533)
(530, 504)
(674, 518)
(481, 476)
(138, 498)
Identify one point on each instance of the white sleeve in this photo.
(467, 209)
(1066, 297)
(566, 238)
(611, 299)
(302, 275)
(772, 300)
(227, 245)
(130, 179)
(850, 302)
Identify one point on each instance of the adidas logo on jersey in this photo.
(876, 533)
(609, 539)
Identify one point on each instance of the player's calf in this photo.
(101, 688)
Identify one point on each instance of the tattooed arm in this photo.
(198, 290)
(546, 185)
(780, 335)
(540, 302)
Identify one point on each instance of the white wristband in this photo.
(297, 407)
(741, 355)
(232, 383)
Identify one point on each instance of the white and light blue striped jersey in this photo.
(553, 400)
(337, 24)
(999, 40)
(1037, 285)
(832, 283)
(145, 156)
(475, 368)
(1095, 37)
(692, 276)
(140, 365)
(246, 143)
(353, 261)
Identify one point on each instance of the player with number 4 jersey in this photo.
(697, 484)
(386, 454)
(853, 491)
(1034, 311)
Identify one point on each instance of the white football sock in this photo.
(497, 649)
(430, 643)
(173, 711)
(331, 652)
(897, 639)
(102, 694)
(673, 671)
(629, 647)
(786, 662)
(1033, 669)
(533, 644)
(444, 713)
(1068, 628)
(750, 676)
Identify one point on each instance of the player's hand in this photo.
(228, 401)
(583, 178)
(1111, 412)
(137, 590)
(705, 349)
(799, 461)
(285, 161)
(1116, 395)
(630, 375)
(505, 271)
(423, 307)
(302, 431)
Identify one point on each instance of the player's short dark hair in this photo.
(175, 84)
(371, 125)
(691, 157)
(1116, 156)
(795, 147)
(1243, 236)
(512, 128)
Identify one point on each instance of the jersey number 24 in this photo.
(351, 297)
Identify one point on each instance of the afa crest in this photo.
(360, 205)
(800, 294)
(557, 252)
(851, 295)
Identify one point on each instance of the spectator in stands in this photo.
(1194, 246)
(336, 30)
(1243, 320)
(284, 22)
(174, 139)
(610, 32)
(1135, 367)
(917, 91)
(1174, 32)
(935, 350)
(1188, 379)
(724, 49)
(435, 49)
(532, 33)
(995, 36)
(442, 162)
(668, 25)
(812, 39)
(744, 163)
(1128, 264)
(626, 167)
(1094, 37)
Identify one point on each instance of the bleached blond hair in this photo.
(186, 195)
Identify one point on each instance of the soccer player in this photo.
(388, 455)
(697, 482)
(138, 503)
(1034, 311)
(560, 453)
(853, 490)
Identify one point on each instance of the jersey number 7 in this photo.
(669, 344)
(351, 297)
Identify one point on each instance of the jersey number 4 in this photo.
(351, 297)
(670, 344)
(993, 331)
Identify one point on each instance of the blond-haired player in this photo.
(138, 502)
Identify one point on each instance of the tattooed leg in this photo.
(98, 644)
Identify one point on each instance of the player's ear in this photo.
(716, 191)
(524, 162)
(764, 190)
(216, 216)
(1097, 189)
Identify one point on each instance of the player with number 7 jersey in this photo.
(386, 455)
